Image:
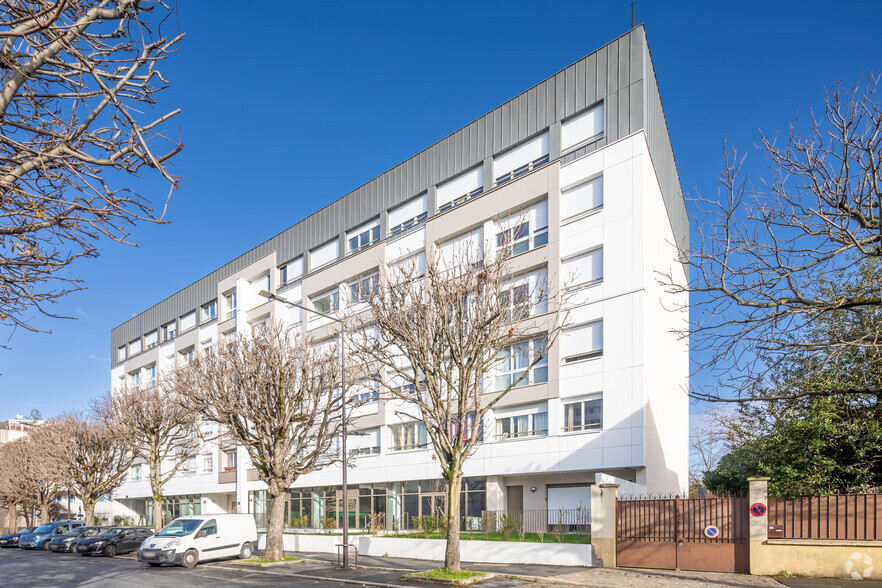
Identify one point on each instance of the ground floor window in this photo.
(392, 506)
(176, 506)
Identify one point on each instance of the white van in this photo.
(191, 539)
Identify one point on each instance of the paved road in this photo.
(20, 567)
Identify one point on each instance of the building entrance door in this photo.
(514, 499)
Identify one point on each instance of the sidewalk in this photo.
(386, 571)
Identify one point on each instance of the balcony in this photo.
(226, 477)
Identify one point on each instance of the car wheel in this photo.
(46, 545)
(191, 558)
(73, 548)
(110, 550)
(153, 564)
(247, 551)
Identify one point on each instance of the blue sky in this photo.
(289, 106)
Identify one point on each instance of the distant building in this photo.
(16, 428)
(584, 161)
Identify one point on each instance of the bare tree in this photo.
(42, 474)
(277, 394)
(94, 457)
(14, 488)
(163, 432)
(444, 330)
(78, 81)
(777, 256)
(711, 435)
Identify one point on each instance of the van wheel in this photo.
(247, 551)
(191, 558)
(110, 550)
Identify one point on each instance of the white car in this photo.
(188, 540)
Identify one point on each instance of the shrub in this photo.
(509, 523)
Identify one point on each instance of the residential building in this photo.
(16, 428)
(584, 161)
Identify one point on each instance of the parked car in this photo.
(68, 541)
(39, 537)
(188, 540)
(114, 540)
(12, 540)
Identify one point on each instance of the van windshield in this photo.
(179, 528)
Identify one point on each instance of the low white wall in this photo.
(433, 549)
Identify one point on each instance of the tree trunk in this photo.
(274, 528)
(45, 516)
(89, 510)
(13, 517)
(157, 514)
(451, 553)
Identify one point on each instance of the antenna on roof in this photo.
(633, 17)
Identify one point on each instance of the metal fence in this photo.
(838, 516)
(575, 520)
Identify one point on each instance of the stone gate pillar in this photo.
(758, 493)
(603, 524)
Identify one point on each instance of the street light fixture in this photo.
(271, 296)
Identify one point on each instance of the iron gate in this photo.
(677, 534)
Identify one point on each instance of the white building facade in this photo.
(585, 160)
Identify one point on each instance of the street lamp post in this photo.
(271, 296)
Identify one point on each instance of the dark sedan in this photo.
(114, 540)
(68, 541)
(12, 540)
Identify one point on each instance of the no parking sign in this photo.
(711, 532)
(757, 509)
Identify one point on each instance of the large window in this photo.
(362, 288)
(514, 360)
(176, 506)
(460, 189)
(408, 436)
(169, 331)
(582, 199)
(582, 128)
(583, 415)
(522, 425)
(521, 159)
(407, 215)
(582, 342)
(327, 302)
(209, 311)
(365, 442)
(231, 303)
(364, 238)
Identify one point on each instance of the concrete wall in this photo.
(433, 549)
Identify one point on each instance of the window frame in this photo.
(511, 371)
(333, 296)
(372, 235)
(583, 426)
(419, 427)
(531, 431)
(208, 312)
(357, 291)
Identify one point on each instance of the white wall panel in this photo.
(324, 255)
(520, 155)
(460, 185)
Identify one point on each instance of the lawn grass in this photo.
(446, 574)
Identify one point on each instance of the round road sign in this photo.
(758, 509)
(712, 531)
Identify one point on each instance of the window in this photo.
(581, 200)
(582, 342)
(408, 436)
(515, 236)
(169, 331)
(522, 425)
(365, 391)
(466, 426)
(465, 249)
(583, 415)
(186, 356)
(584, 270)
(188, 321)
(121, 353)
(230, 302)
(518, 161)
(364, 287)
(364, 238)
(135, 473)
(518, 298)
(151, 339)
(151, 376)
(231, 336)
(135, 378)
(188, 468)
(325, 254)
(364, 442)
(134, 347)
(207, 464)
(582, 128)
(514, 360)
(229, 460)
(291, 272)
(460, 189)
(327, 302)
(403, 383)
(209, 312)
(407, 215)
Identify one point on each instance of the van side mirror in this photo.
(202, 533)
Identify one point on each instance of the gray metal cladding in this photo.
(620, 74)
